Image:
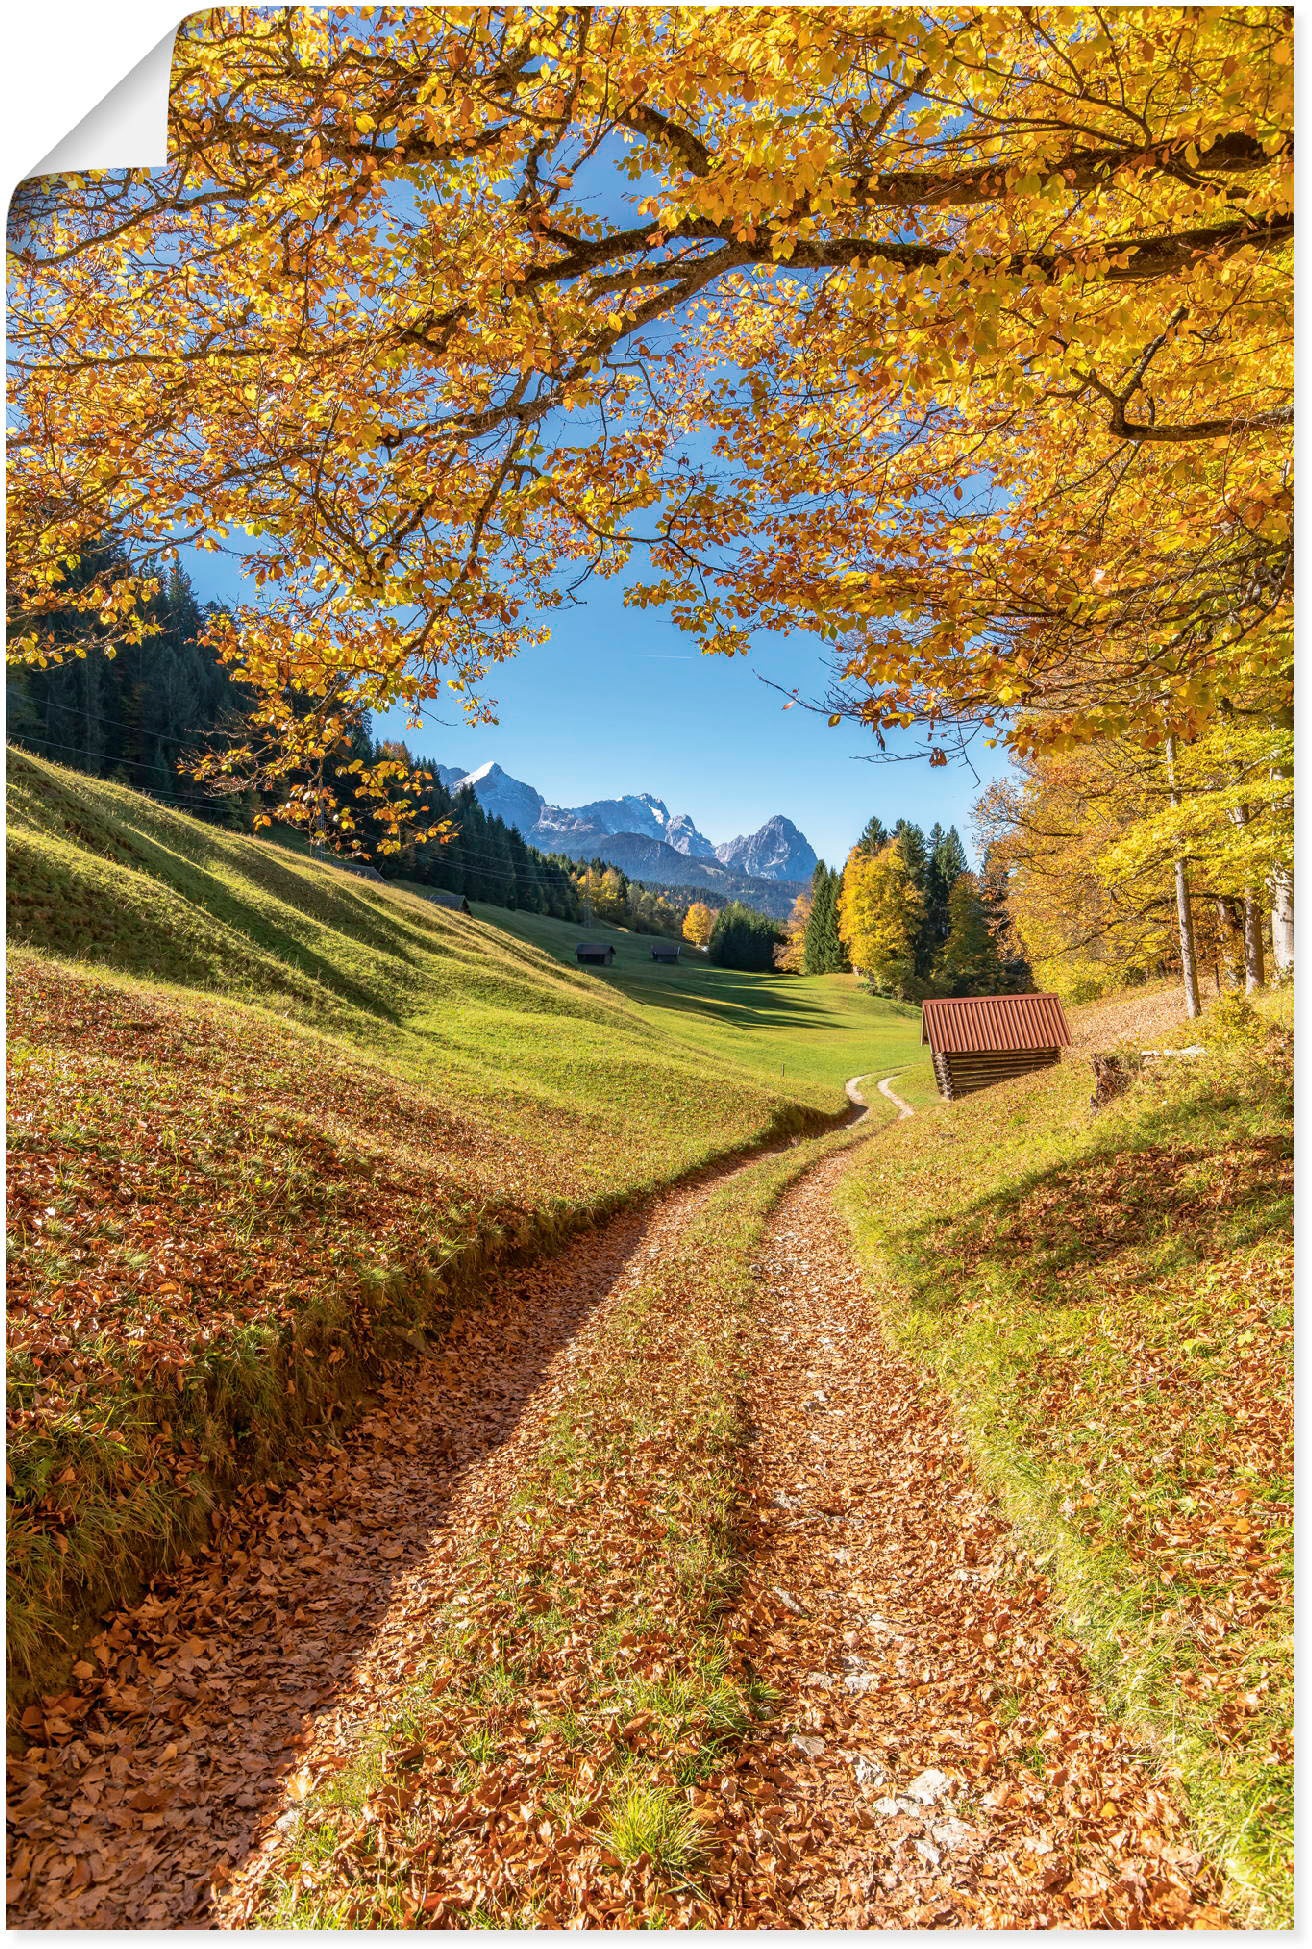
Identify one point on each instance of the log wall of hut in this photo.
(965, 1070)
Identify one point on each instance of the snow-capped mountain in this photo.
(777, 852)
(498, 793)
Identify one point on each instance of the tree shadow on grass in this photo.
(735, 1002)
(1049, 1239)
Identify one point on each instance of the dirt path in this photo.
(900, 1103)
(937, 1757)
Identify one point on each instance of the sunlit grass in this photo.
(1107, 1298)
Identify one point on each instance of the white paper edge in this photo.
(128, 129)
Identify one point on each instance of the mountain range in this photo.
(639, 834)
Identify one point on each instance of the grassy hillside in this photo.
(269, 1121)
(802, 1034)
(1109, 1300)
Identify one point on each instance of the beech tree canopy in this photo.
(959, 339)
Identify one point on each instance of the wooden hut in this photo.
(984, 1039)
(456, 902)
(665, 950)
(362, 868)
(595, 952)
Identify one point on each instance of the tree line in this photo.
(134, 707)
(906, 913)
(139, 709)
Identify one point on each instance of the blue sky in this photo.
(620, 700)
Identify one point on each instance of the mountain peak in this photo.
(775, 851)
(778, 851)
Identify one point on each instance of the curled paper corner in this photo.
(128, 129)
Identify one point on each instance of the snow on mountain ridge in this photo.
(778, 851)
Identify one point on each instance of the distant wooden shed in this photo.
(455, 901)
(665, 950)
(360, 867)
(594, 951)
(985, 1039)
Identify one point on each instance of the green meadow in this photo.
(803, 1035)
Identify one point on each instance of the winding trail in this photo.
(903, 1108)
(938, 1756)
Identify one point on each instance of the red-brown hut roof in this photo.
(994, 1022)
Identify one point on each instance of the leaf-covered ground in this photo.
(508, 1562)
(665, 1595)
(220, 1225)
(1109, 1302)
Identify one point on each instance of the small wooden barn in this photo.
(362, 868)
(665, 950)
(596, 952)
(455, 901)
(985, 1039)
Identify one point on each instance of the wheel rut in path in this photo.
(937, 1757)
(196, 1709)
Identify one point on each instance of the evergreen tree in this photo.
(968, 962)
(874, 839)
(945, 862)
(138, 715)
(742, 938)
(994, 886)
(822, 948)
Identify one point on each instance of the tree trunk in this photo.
(1254, 954)
(1254, 947)
(1282, 921)
(1183, 911)
(1188, 959)
(1230, 938)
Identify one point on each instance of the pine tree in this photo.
(968, 962)
(946, 860)
(822, 951)
(138, 715)
(994, 886)
(742, 938)
(875, 837)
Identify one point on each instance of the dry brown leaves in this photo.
(936, 1756)
(940, 1758)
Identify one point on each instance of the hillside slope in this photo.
(804, 1034)
(269, 1125)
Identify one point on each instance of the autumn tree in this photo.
(1097, 838)
(435, 313)
(881, 911)
(698, 923)
(790, 954)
